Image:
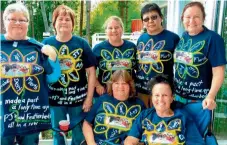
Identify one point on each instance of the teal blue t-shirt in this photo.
(111, 58)
(112, 119)
(155, 56)
(24, 88)
(74, 57)
(194, 58)
(177, 129)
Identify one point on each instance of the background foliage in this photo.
(127, 10)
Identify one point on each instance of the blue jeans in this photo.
(201, 117)
(58, 114)
(31, 139)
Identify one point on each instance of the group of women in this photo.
(195, 63)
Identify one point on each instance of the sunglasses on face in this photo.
(154, 17)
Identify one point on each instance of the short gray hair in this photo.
(15, 7)
(116, 18)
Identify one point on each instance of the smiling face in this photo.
(114, 31)
(16, 25)
(120, 90)
(162, 97)
(152, 22)
(64, 24)
(193, 20)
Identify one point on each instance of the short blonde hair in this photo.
(15, 7)
(121, 74)
(115, 18)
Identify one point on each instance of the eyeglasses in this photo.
(15, 21)
(187, 18)
(154, 17)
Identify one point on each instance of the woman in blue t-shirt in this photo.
(154, 50)
(199, 63)
(161, 124)
(73, 92)
(112, 115)
(26, 69)
(113, 54)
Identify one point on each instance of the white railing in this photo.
(99, 37)
(50, 142)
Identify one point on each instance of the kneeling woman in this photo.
(112, 115)
(161, 124)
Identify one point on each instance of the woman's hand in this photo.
(209, 103)
(100, 90)
(49, 51)
(92, 143)
(217, 80)
(87, 104)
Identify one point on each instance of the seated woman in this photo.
(112, 115)
(161, 124)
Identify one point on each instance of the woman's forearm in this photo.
(91, 81)
(88, 133)
(217, 80)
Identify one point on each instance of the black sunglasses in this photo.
(154, 17)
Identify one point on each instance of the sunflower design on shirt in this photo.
(162, 133)
(115, 120)
(187, 58)
(70, 63)
(151, 56)
(115, 61)
(20, 72)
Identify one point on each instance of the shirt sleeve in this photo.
(136, 64)
(143, 107)
(177, 39)
(217, 51)
(136, 129)
(92, 113)
(88, 56)
(95, 52)
(44, 41)
(56, 71)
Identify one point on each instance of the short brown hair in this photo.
(65, 10)
(191, 4)
(121, 74)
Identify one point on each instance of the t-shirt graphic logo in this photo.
(20, 72)
(187, 58)
(70, 64)
(116, 119)
(163, 133)
(115, 61)
(151, 56)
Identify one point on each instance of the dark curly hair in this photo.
(161, 79)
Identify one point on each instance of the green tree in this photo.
(126, 10)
